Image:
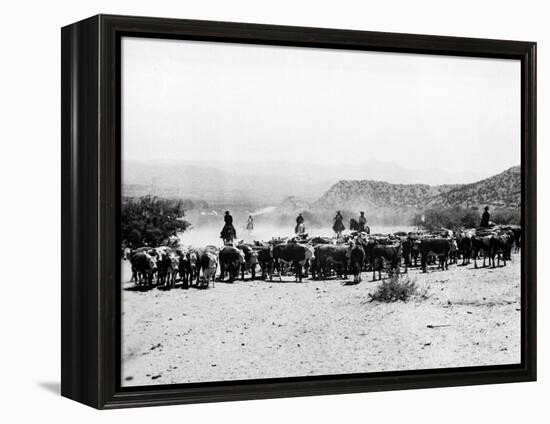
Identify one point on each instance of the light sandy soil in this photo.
(259, 329)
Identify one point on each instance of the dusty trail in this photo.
(257, 329)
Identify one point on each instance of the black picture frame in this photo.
(91, 181)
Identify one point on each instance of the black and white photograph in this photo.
(275, 212)
(290, 212)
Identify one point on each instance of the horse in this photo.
(228, 234)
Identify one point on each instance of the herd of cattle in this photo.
(322, 257)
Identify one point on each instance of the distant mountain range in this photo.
(279, 192)
(499, 191)
(269, 183)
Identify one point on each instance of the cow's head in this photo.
(253, 260)
(241, 257)
(193, 259)
(183, 261)
(212, 262)
(174, 260)
(454, 245)
(151, 261)
(351, 246)
(126, 253)
(309, 252)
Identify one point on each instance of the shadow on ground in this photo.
(51, 386)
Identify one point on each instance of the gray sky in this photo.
(188, 100)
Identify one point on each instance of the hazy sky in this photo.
(188, 100)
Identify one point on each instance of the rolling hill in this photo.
(499, 191)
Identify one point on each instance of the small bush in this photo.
(398, 287)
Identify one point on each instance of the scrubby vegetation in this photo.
(456, 217)
(151, 220)
(398, 287)
(506, 216)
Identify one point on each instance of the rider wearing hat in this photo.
(228, 230)
(299, 224)
(485, 218)
(338, 226)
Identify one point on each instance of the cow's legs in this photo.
(298, 271)
(270, 272)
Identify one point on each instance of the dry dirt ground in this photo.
(259, 329)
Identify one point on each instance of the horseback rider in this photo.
(485, 218)
(338, 226)
(250, 224)
(228, 232)
(300, 228)
(362, 221)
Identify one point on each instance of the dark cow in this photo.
(411, 250)
(481, 244)
(515, 233)
(145, 265)
(328, 257)
(516, 230)
(501, 246)
(435, 247)
(356, 261)
(265, 260)
(295, 254)
(377, 253)
(194, 269)
(231, 261)
(464, 242)
(150, 250)
(320, 240)
(407, 250)
(184, 268)
(250, 260)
